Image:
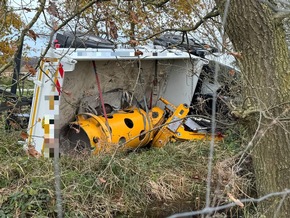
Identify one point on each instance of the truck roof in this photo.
(146, 52)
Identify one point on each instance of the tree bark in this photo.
(260, 39)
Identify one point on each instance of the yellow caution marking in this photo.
(35, 104)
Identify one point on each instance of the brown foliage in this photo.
(32, 35)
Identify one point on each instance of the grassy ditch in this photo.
(146, 183)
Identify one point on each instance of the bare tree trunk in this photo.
(266, 85)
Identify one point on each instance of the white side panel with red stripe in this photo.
(43, 123)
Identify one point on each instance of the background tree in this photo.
(10, 25)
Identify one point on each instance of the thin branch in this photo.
(158, 4)
(287, 3)
(282, 15)
(213, 13)
(65, 22)
(24, 32)
(210, 210)
(6, 66)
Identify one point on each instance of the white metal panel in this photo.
(43, 128)
(181, 81)
(124, 54)
(41, 112)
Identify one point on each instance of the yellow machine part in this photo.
(92, 130)
(156, 115)
(126, 129)
(173, 128)
(182, 134)
(133, 128)
(164, 135)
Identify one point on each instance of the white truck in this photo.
(67, 84)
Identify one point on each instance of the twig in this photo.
(213, 13)
(209, 210)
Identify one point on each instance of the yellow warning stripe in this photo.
(36, 100)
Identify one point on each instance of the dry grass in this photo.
(144, 183)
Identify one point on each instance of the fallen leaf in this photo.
(67, 92)
(31, 69)
(31, 151)
(236, 201)
(219, 135)
(201, 5)
(133, 42)
(55, 25)
(52, 9)
(134, 17)
(206, 46)
(32, 35)
(232, 72)
(138, 52)
(102, 180)
(14, 125)
(8, 103)
(24, 135)
(113, 30)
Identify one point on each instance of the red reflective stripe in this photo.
(61, 71)
(57, 85)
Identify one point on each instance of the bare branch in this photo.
(24, 32)
(282, 15)
(6, 66)
(283, 2)
(213, 13)
(210, 210)
(157, 4)
(65, 22)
